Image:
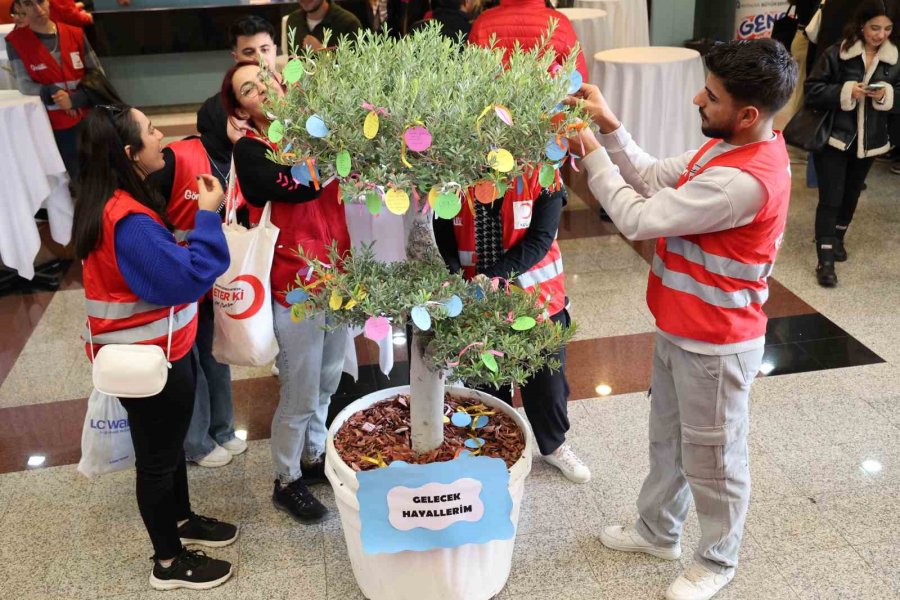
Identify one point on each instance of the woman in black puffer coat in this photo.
(858, 79)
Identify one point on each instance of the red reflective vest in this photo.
(191, 160)
(115, 313)
(515, 214)
(43, 68)
(312, 225)
(711, 287)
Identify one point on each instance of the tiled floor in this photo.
(825, 443)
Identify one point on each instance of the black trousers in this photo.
(159, 425)
(545, 397)
(67, 144)
(841, 177)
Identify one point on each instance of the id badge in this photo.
(76, 60)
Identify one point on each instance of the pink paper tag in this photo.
(418, 138)
(376, 328)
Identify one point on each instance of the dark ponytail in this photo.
(105, 167)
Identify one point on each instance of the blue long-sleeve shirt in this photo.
(160, 271)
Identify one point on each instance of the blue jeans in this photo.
(310, 361)
(213, 420)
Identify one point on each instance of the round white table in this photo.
(590, 27)
(628, 23)
(7, 81)
(651, 91)
(32, 175)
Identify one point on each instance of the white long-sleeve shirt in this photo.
(638, 192)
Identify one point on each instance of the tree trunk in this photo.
(426, 404)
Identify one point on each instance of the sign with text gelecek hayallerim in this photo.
(438, 505)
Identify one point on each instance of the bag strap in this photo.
(266, 218)
(231, 196)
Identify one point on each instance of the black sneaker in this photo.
(296, 500)
(314, 472)
(192, 569)
(205, 531)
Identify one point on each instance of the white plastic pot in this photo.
(468, 572)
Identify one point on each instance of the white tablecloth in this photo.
(651, 91)
(590, 27)
(387, 232)
(7, 81)
(628, 23)
(32, 174)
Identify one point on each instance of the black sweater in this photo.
(524, 255)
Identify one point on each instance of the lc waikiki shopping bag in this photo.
(242, 296)
(106, 438)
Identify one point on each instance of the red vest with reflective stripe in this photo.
(711, 287)
(312, 225)
(191, 160)
(115, 313)
(515, 214)
(43, 68)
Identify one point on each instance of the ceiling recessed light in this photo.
(399, 339)
(603, 390)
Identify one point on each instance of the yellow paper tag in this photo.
(432, 197)
(397, 201)
(501, 160)
(335, 301)
(370, 127)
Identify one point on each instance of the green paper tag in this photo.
(343, 163)
(373, 202)
(523, 323)
(293, 71)
(447, 205)
(502, 186)
(547, 176)
(276, 131)
(489, 361)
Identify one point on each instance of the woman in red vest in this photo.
(310, 359)
(49, 60)
(135, 273)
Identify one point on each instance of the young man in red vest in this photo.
(49, 60)
(719, 215)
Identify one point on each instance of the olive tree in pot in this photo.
(427, 126)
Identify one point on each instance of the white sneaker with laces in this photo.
(565, 459)
(219, 457)
(235, 446)
(698, 583)
(626, 539)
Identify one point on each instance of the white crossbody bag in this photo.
(131, 370)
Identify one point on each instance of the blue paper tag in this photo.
(438, 505)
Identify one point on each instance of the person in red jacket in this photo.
(524, 22)
(718, 215)
(71, 13)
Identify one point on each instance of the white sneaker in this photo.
(698, 583)
(626, 539)
(235, 446)
(275, 370)
(571, 466)
(219, 457)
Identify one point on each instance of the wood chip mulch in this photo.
(381, 432)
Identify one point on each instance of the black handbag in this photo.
(809, 129)
(785, 28)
